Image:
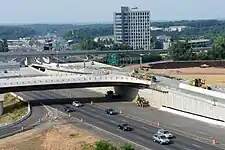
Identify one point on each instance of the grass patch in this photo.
(13, 109)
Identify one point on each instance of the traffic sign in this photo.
(113, 59)
(57, 43)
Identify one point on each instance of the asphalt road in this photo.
(141, 134)
(38, 112)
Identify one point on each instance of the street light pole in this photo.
(141, 60)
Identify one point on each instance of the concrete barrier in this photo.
(202, 91)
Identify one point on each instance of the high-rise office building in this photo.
(132, 27)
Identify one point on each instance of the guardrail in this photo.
(45, 80)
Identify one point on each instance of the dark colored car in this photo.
(124, 127)
(110, 112)
(69, 109)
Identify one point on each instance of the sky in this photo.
(101, 11)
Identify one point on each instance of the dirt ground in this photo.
(62, 137)
(213, 76)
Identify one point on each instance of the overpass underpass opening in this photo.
(67, 96)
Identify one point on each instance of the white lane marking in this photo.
(97, 116)
(91, 125)
(93, 109)
(187, 148)
(202, 133)
(124, 120)
(166, 148)
(196, 145)
(112, 121)
(176, 125)
(144, 128)
(100, 122)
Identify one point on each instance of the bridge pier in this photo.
(1, 103)
(127, 93)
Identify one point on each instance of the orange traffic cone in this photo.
(158, 124)
(214, 141)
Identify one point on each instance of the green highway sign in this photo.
(57, 43)
(113, 59)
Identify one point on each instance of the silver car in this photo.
(166, 133)
(161, 139)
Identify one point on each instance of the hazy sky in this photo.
(85, 11)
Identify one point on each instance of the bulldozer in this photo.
(141, 102)
(200, 83)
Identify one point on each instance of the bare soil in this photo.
(62, 137)
(213, 76)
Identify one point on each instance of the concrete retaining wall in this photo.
(180, 101)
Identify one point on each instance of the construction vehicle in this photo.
(200, 83)
(111, 95)
(141, 102)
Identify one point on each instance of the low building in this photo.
(200, 43)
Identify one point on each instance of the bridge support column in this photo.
(126, 92)
(1, 103)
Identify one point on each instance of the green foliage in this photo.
(104, 145)
(127, 146)
(151, 58)
(181, 51)
(81, 33)
(3, 46)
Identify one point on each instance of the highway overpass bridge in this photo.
(85, 52)
(120, 83)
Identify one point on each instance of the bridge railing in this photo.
(68, 79)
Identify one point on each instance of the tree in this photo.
(181, 51)
(104, 145)
(4, 46)
(127, 146)
(218, 46)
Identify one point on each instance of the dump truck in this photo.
(141, 102)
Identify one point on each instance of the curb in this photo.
(26, 116)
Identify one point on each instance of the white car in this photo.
(77, 104)
(165, 133)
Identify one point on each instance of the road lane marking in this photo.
(202, 133)
(187, 148)
(112, 121)
(196, 145)
(115, 135)
(177, 131)
(145, 128)
(166, 148)
(176, 125)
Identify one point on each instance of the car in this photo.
(166, 133)
(124, 127)
(69, 109)
(77, 104)
(110, 112)
(161, 139)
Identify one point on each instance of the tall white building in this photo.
(132, 27)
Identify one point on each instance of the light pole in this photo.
(57, 57)
(141, 55)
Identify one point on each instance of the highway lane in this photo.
(38, 112)
(142, 132)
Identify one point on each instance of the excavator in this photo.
(141, 102)
(200, 83)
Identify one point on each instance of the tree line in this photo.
(183, 51)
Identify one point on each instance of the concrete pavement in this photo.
(142, 132)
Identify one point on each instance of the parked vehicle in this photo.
(69, 109)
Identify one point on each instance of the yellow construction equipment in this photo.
(200, 83)
(141, 102)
